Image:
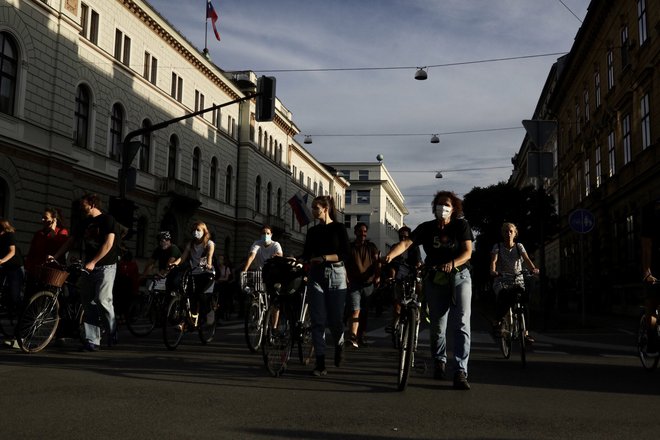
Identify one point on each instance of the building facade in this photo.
(78, 76)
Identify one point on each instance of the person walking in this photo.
(326, 249)
(99, 234)
(447, 242)
(11, 268)
(363, 270)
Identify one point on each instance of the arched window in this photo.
(257, 194)
(116, 130)
(8, 73)
(269, 198)
(145, 149)
(213, 184)
(197, 159)
(228, 178)
(171, 157)
(81, 116)
(279, 202)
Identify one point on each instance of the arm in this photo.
(278, 252)
(493, 264)
(249, 261)
(529, 264)
(397, 250)
(462, 258)
(105, 248)
(210, 248)
(64, 249)
(9, 256)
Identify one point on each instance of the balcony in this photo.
(184, 195)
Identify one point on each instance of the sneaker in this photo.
(353, 340)
(529, 340)
(89, 346)
(339, 354)
(439, 370)
(318, 372)
(460, 381)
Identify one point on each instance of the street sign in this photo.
(540, 164)
(581, 220)
(539, 131)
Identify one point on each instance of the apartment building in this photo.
(78, 76)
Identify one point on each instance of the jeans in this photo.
(358, 297)
(327, 297)
(96, 296)
(442, 312)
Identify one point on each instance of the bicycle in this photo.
(256, 308)
(41, 316)
(287, 323)
(405, 332)
(513, 327)
(146, 310)
(649, 359)
(180, 317)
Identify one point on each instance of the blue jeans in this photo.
(96, 296)
(327, 297)
(443, 312)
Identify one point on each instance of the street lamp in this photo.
(421, 74)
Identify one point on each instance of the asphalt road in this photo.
(579, 383)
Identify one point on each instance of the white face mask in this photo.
(198, 234)
(267, 238)
(442, 212)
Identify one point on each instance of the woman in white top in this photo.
(198, 254)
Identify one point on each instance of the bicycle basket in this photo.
(251, 280)
(52, 276)
(283, 276)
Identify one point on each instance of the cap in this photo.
(164, 235)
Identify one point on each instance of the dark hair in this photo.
(266, 227)
(329, 203)
(92, 200)
(404, 229)
(56, 213)
(456, 203)
(358, 225)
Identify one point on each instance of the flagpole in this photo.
(206, 28)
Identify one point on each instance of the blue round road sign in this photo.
(581, 220)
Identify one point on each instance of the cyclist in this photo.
(46, 241)
(263, 249)
(507, 258)
(650, 241)
(447, 242)
(164, 256)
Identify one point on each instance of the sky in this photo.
(345, 69)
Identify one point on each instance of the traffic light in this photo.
(265, 98)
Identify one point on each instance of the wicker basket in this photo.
(53, 277)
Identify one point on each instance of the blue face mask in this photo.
(266, 238)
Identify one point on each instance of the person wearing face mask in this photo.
(447, 241)
(46, 241)
(263, 249)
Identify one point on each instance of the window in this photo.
(347, 221)
(216, 117)
(199, 100)
(301, 178)
(257, 194)
(641, 21)
(196, 162)
(309, 182)
(585, 96)
(177, 87)
(213, 181)
(150, 68)
(228, 179)
(294, 172)
(597, 88)
(269, 198)
(145, 149)
(8, 73)
(365, 218)
(348, 197)
(587, 177)
(122, 47)
(625, 47)
(611, 154)
(89, 23)
(645, 112)
(630, 238)
(599, 167)
(346, 174)
(363, 175)
(81, 115)
(625, 131)
(363, 197)
(171, 157)
(116, 130)
(610, 70)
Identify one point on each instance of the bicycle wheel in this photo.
(276, 344)
(506, 333)
(649, 361)
(141, 316)
(209, 322)
(305, 345)
(397, 332)
(254, 327)
(407, 347)
(521, 336)
(38, 322)
(174, 324)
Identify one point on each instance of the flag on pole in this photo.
(210, 13)
(300, 209)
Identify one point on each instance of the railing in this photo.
(168, 186)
